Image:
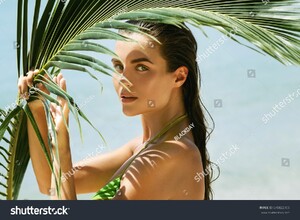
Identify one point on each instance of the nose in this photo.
(124, 81)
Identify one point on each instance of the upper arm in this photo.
(165, 172)
(93, 173)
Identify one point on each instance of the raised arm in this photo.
(88, 175)
(39, 162)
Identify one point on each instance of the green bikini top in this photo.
(111, 188)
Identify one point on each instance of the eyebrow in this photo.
(142, 59)
(115, 60)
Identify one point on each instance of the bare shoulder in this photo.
(182, 164)
(164, 171)
(180, 151)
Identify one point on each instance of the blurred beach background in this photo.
(240, 88)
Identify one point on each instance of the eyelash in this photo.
(121, 68)
(119, 65)
(143, 66)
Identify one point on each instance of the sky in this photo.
(253, 99)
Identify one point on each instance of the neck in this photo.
(153, 122)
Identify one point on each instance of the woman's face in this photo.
(143, 65)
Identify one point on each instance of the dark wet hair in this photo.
(179, 48)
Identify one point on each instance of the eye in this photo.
(141, 68)
(119, 68)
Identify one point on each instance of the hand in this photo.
(25, 87)
(61, 112)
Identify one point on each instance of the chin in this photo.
(133, 111)
(130, 113)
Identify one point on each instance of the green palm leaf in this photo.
(15, 152)
(65, 30)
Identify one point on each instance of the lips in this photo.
(126, 98)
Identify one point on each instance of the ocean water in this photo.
(245, 92)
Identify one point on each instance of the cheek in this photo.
(162, 94)
(157, 90)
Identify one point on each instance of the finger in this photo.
(55, 79)
(63, 84)
(42, 87)
(26, 95)
(29, 78)
(22, 85)
(60, 76)
(29, 72)
(52, 109)
(36, 71)
(46, 76)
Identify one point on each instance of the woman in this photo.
(161, 83)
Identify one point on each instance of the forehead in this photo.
(142, 45)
